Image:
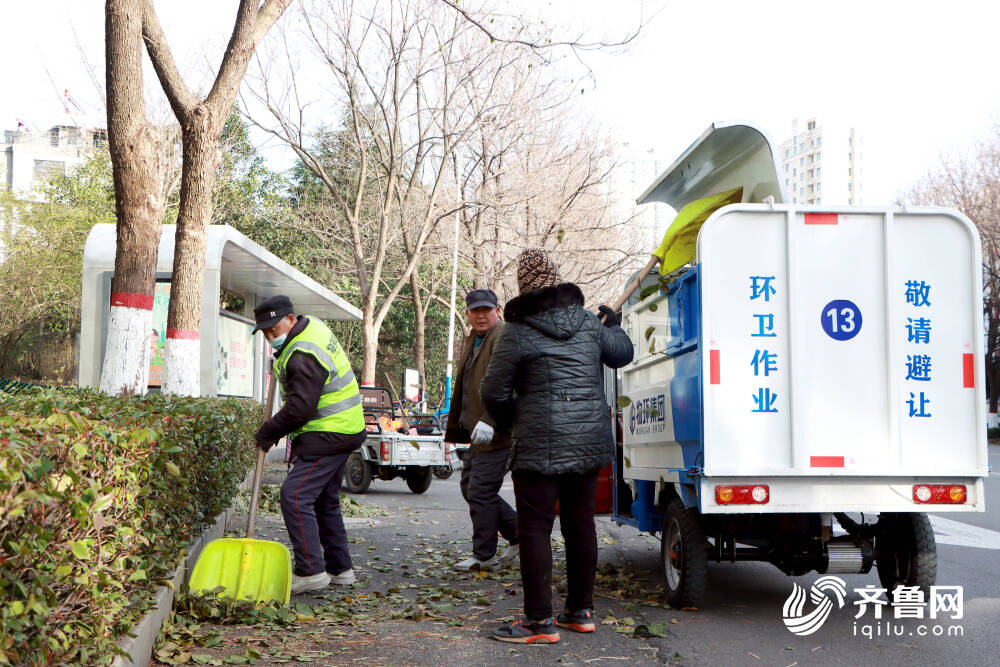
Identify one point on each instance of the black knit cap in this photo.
(270, 311)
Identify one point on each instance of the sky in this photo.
(915, 78)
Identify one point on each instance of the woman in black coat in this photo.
(546, 379)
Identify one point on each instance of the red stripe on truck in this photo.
(821, 218)
(968, 372)
(826, 461)
(713, 360)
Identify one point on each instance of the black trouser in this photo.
(482, 477)
(536, 509)
(310, 503)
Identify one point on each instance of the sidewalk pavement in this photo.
(409, 607)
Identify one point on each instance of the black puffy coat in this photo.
(546, 379)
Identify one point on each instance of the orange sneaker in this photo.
(577, 621)
(526, 631)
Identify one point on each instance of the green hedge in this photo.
(98, 495)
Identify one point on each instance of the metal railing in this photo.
(52, 139)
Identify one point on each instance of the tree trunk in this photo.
(993, 368)
(182, 358)
(992, 362)
(201, 123)
(419, 320)
(369, 347)
(139, 209)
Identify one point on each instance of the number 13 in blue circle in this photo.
(841, 319)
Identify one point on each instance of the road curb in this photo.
(138, 645)
(360, 521)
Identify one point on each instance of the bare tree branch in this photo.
(180, 98)
(577, 43)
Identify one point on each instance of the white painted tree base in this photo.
(126, 356)
(182, 367)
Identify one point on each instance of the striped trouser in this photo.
(310, 503)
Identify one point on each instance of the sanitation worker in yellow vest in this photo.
(323, 419)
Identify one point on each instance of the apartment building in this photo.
(30, 157)
(821, 164)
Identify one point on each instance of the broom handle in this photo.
(395, 397)
(634, 284)
(259, 470)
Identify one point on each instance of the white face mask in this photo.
(278, 341)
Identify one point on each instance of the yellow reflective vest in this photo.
(339, 409)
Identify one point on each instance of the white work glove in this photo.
(482, 434)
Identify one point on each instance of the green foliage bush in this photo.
(98, 495)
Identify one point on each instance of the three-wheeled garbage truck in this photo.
(397, 445)
(812, 367)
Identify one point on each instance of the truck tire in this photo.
(905, 551)
(357, 473)
(419, 479)
(683, 557)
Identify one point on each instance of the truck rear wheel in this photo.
(419, 479)
(906, 554)
(683, 557)
(357, 473)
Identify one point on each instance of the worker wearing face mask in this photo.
(323, 419)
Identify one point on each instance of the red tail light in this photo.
(752, 494)
(447, 451)
(383, 451)
(950, 494)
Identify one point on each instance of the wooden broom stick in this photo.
(634, 284)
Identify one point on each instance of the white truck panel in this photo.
(732, 441)
(850, 304)
(648, 435)
(417, 450)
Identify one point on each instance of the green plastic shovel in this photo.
(246, 568)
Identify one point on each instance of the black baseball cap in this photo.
(479, 298)
(270, 311)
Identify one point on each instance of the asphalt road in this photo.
(740, 621)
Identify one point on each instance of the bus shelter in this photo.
(232, 358)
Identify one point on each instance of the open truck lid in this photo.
(725, 156)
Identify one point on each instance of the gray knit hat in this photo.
(535, 270)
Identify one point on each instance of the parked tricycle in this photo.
(396, 446)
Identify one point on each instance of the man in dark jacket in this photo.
(324, 422)
(546, 379)
(485, 464)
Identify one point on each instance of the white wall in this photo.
(21, 164)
